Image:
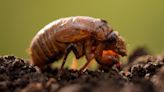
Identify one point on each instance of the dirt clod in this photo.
(143, 74)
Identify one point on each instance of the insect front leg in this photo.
(106, 58)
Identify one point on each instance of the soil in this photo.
(142, 73)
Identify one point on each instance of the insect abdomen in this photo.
(43, 49)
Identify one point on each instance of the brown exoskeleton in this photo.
(85, 36)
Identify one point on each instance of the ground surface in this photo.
(142, 73)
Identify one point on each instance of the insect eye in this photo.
(112, 37)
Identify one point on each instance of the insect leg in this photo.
(89, 54)
(84, 66)
(78, 50)
(68, 50)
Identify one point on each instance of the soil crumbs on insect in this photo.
(142, 73)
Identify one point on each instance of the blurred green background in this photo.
(140, 22)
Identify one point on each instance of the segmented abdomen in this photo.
(44, 49)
